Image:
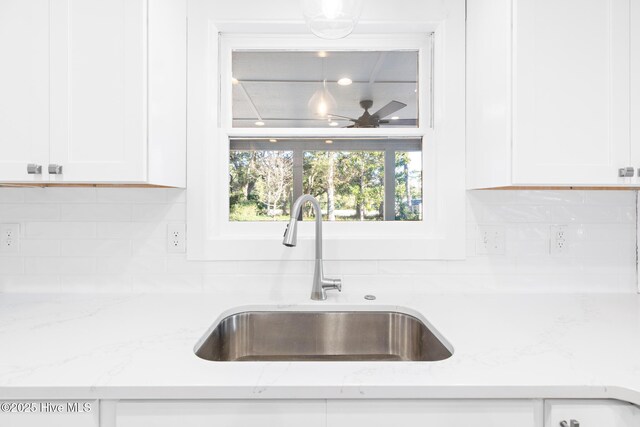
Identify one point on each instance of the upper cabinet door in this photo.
(571, 91)
(98, 90)
(24, 88)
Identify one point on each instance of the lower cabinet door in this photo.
(49, 414)
(436, 413)
(247, 413)
(591, 413)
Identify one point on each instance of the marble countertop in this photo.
(134, 346)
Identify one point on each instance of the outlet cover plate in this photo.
(10, 238)
(491, 240)
(559, 239)
(177, 238)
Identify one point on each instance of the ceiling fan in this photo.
(368, 120)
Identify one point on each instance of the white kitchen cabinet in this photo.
(110, 92)
(591, 413)
(635, 82)
(248, 413)
(24, 88)
(50, 414)
(441, 413)
(548, 96)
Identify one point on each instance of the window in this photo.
(354, 180)
(259, 132)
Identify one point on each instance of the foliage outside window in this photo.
(350, 185)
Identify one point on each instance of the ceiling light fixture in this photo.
(328, 141)
(345, 81)
(259, 123)
(273, 140)
(395, 118)
(322, 54)
(332, 19)
(322, 101)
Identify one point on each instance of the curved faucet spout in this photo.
(320, 283)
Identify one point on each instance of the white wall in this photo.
(112, 239)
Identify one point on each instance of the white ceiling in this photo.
(279, 85)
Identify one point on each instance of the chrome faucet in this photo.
(321, 284)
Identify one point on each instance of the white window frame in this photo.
(441, 234)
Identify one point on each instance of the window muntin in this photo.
(348, 176)
(325, 89)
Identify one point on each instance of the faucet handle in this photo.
(331, 284)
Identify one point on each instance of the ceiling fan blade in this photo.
(390, 108)
(401, 122)
(342, 117)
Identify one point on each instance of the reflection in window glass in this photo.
(266, 175)
(328, 89)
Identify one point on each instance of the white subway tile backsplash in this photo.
(149, 246)
(11, 195)
(11, 265)
(63, 266)
(485, 265)
(164, 283)
(29, 284)
(176, 195)
(413, 268)
(61, 230)
(159, 212)
(591, 213)
(528, 197)
(132, 230)
(131, 265)
(95, 283)
(341, 268)
(35, 247)
(96, 212)
(96, 247)
(14, 212)
(624, 198)
(132, 195)
(515, 213)
(114, 240)
(60, 195)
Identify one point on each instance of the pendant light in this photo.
(322, 102)
(331, 19)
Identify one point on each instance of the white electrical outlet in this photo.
(177, 238)
(491, 240)
(10, 238)
(558, 239)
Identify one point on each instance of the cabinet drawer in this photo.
(591, 413)
(249, 413)
(437, 413)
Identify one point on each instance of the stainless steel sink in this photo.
(321, 336)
